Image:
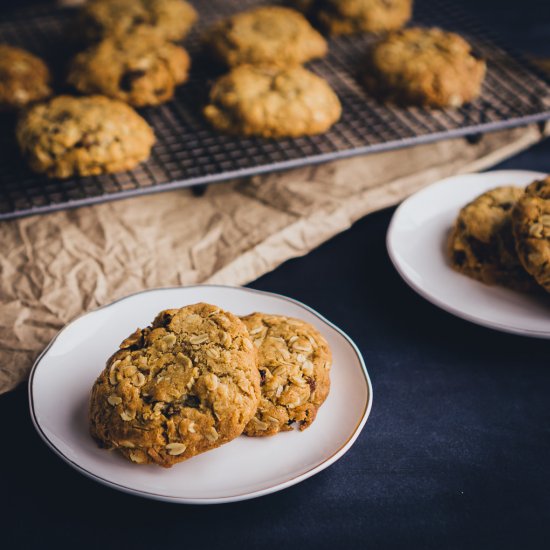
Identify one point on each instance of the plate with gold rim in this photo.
(247, 467)
(416, 243)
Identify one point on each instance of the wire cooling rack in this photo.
(189, 153)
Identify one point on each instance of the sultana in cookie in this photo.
(185, 385)
(24, 78)
(531, 224)
(426, 67)
(140, 68)
(81, 136)
(294, 362)
(353, 16)
(272, 102)
(171, 19)
(481, 243)
(270, 35)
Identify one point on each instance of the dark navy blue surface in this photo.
(454, 455)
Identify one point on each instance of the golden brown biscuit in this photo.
(140, 68)
(426, 67)
(80, 136)
(272, 102)
(294, 361)
(185, 385)
(24, 78)
(172, 19)
(481, 244)
(531, 223)
(352, 16)
(269, 35)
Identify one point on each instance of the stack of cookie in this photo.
(200, 376)
(130, 60)
(503, 237)
(267, 91)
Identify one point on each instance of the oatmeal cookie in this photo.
(481, 243)
(531, 223)
(172, 19)
(272, 102)
(426, 67)
(353, 16)
(294, 362)
(24, 78)
(269, 35)
(139, 68)
(81, 136)
(185, 385)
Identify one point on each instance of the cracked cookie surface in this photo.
(24, 78)
(272, 102)
(269, 35)
(83, 136)
(481, 244)
(294, 362)
(531, 223)
(426, 67)
(171, 19)
(353, 16)
(183, 386)
(140, 68)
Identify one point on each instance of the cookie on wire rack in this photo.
(427, 67)
(82, 136)
(355, 16)
(171, 19)
(140, 68)
(24, 78)
(272, 102)
(268, 35)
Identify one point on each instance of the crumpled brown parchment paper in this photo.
(55, 267)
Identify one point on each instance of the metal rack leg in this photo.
(199, 190)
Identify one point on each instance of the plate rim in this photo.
(545, 335)
(208, 500)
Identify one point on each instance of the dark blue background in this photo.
(454, 455)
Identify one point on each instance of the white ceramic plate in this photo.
(63, 375)
(416, 243)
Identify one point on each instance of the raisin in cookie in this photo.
(352, 16)
(426, 67)
(186, 384)
(481, 244)
(172, 19)
(531, 223)
(139, 68)
(80, 136)
(24, 78)
(269, 35)
(272, 102)
(294, 362)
